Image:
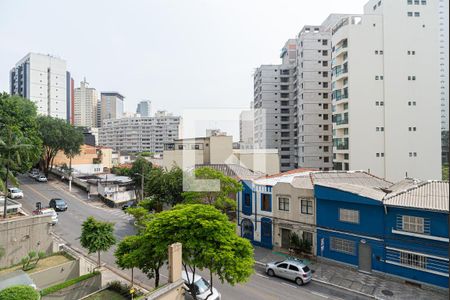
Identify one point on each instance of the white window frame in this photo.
(413, 224)
(349, 215)
(284, 203)
(342, 245)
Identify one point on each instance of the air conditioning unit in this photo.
(61, 247)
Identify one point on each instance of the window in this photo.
(265, 202)
(341, 245)
(308, 236)
(424, 2)
(413, 260)
(325, 63)
(247, 200)
(325, 84)
(325, 52)
(325, 42)
(325, 127)
(413, 224)
(293, 268)
(410, 14)
(306, 207)
(349, 215)
(282, 266)
(325, 74)
(416, 14)
(409, 2)
(283, 203)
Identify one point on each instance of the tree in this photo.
(139, 252)
(19, 292)
(209, 242)
(58, 135)
(164, 187)
(12, 148)
(140, 168)
(97, 236)
(19, 116)
(220, 198)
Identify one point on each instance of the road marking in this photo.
(263, 276)
(289, 285)
(319, 294)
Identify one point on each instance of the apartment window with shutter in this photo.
(349, 215)
(413, 224)
(343, 246)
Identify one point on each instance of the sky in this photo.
(180, 54)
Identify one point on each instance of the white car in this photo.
(292, 269)
(34, 174)
(202, 287)
(41, 178)
(15, 193)
(50, 212)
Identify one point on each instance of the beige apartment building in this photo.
(91, 160)
(218, 149)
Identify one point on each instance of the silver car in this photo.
(291, 269)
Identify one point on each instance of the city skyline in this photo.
(119, 59)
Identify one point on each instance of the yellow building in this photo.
(91, 160)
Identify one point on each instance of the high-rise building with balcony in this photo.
(44, 80)
(144, 108)
(137, 134)
(111, 106)
(85, 105)
(385, 90)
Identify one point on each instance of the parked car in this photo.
(33, 173)
(15, 193)
(58, 204)
(48, 211)
(41, 178)
(131, 203)
(202, 287)
(292, 269)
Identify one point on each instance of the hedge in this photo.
(19, 292)
(62, 285)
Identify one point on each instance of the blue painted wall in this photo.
(329, 201)
(247, 190)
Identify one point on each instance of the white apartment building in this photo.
(386, 104)
(44, 80)
(274, 107)
(313, 96)
(85, 105)
(443, 57)
(246, 124)
(111, 106)
(144, 108)
(137, 134)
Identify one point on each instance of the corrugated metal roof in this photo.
(361, 190)
(286, 177)
(361, 178)
(429, 195)
(231, 170)
(404, 184)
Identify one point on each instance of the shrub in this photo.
(123, 289)
(54, 288)
(19, 292)
(31, 260)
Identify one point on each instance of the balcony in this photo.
(340, 144)
(340, 94)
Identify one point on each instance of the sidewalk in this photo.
(373, 285)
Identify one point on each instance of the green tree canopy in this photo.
(97, 236)
(219, 198)
(19, 292)
(58, 135)
(18, 119)
(209, 242)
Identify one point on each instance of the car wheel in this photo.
(298, 281)
(270, 272)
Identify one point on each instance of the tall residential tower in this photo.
(44, 80)
(85, 105)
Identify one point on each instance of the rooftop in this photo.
(232, 170)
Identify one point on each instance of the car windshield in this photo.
(14, 190)
(59, 202)
(201, 286)
(306, 269)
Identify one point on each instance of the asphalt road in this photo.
(68, 228)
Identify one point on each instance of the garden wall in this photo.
(57, 274)
(78, 290)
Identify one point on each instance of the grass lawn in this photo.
(43, 264)
(106, 295)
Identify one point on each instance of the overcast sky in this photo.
(180, 54)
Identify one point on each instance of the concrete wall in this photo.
(22, 235)
(171, 291)
(57, 274)
(78, 290)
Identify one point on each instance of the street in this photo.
(259, 286)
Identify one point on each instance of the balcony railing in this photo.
(341, 144)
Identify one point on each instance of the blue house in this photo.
(416, 233)
(400, 230)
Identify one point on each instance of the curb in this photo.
(334, 285)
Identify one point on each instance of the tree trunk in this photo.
(156, 277)
(99, 263)
(6, 189)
